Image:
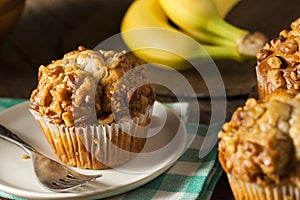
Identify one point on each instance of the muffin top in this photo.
(279, 60)
(92, 87)
(261, 142)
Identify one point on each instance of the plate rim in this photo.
(24, 193)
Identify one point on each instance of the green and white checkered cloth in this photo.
(189, 178)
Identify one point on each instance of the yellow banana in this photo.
(224, 6)
(200, 15)
(194, 16)
(146, 30)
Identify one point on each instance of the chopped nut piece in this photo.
(262, 150)
(281, 53)
(81, 87)
(293, 76)
(274, 62)
(275, 77)
(25, 156)
(283, 33)
(263, 54)
(289, 47)
(275, 43)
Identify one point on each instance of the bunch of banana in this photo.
(199, 31)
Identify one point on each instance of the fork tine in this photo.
(83, 177)
(49, 173)
(72, 181)
(69, 181)
(62, 186)
(63, 183)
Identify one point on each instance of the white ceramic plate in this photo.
(162, 149)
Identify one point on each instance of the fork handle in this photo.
(6, 134)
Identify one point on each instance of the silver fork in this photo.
(50, 174)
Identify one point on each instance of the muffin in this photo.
(259, 148)
(94, 107)
(279, 62)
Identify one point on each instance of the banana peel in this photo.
(224, 6)
(200, 15)
(147, 31)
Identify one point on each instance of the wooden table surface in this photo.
(50, 28)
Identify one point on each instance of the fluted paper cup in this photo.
(253, 191)
(95, 146)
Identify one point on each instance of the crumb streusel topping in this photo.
(261, 142)
(83, 86)
(279, 60)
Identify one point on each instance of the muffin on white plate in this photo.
(279, 62)
(93, 114)
(259, 148)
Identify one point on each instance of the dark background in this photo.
(50, 28)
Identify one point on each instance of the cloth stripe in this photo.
(7, 102)
(189, 178)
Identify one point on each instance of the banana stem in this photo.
(209, 38)
(224, 29)
(216, 40)
(224, 52)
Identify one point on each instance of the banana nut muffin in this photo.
(82, 102)
(279, 62)
(259, 148)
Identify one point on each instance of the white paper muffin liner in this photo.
(252, 191)
(264, 87)
(95, 146)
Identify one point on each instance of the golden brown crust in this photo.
(279, 62)
(261, 142)
(93, 107)
(82, 87)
